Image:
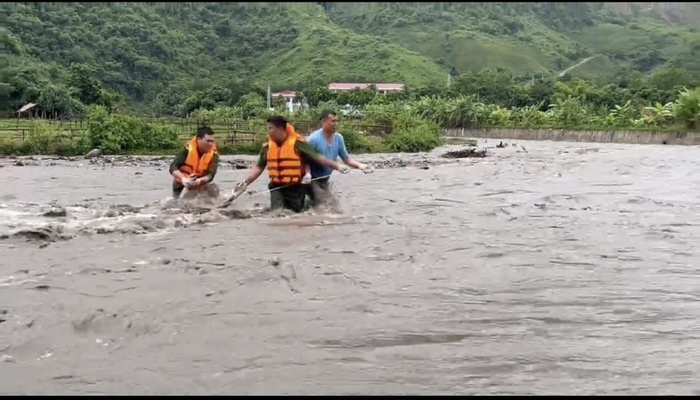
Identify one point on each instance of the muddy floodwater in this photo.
(560, 268)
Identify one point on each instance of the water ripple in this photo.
(568, 270)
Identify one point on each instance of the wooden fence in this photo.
(228, 131)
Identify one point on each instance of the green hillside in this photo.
(324, 52)
(525, 38)
(155, 55)
(672, 13)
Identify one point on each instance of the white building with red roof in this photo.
(291, 101)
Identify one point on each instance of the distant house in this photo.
(382, 88)
(33, 110)
(291, 101)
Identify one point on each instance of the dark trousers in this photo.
(318, 191)
(291, 197)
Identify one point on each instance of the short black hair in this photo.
(278, 121)
(203, 131)
(327, 113)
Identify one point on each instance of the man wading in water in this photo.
(195, 166)
(286, 155)
(331, 145)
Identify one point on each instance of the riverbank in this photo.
(564, 135)
(462, 137)
(442, 155)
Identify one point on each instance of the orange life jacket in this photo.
(283, 163)
(291, 131)
(194, 164)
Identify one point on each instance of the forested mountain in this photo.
(157, 54)
(676, 13)
(525, 37)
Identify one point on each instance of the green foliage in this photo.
(175, 58)
(5, 87)
(687, 108)
(251, 147)
(525, 38)
(40, 138)
(115, 134)
(412, 125)
(324, 53)
(43, 138)
(359, 142)
(413, 135)
(539, 65)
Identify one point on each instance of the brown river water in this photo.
(564, 268)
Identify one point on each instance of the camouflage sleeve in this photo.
(213, 166)
(306, 151)
(262, 158)
(179, 161)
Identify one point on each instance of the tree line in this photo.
(408, 125)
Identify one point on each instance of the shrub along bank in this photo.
(405, 126)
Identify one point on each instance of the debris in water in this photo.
(235, 214)
(93, 153)
(125, 208)
(36, 234)
(465, 153)
(396, 162)
(55, 212)
(238, 164)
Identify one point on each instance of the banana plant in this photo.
(686, 108)
(622, 115)
(656, 115)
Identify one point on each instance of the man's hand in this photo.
(190, 182)
(241, 187)
(179, 176)
(366, 168)
(306, 179)
(202, 181)
(343, 169)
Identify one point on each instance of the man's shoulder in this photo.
(313, 136)
(338, 140)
